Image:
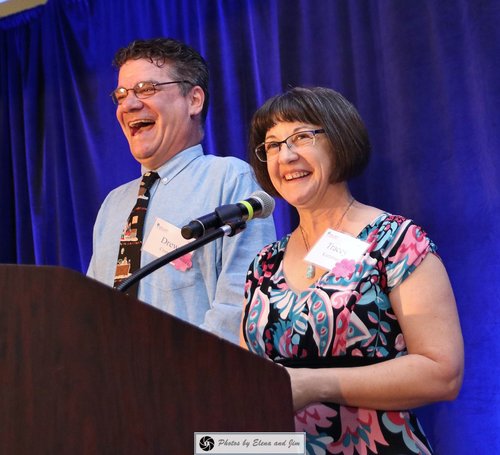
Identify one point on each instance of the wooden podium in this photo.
(85, 369)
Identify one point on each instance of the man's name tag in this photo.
(334, 246)
(164, 238)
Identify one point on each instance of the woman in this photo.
(368, 326)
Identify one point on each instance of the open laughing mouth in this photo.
(138, 125)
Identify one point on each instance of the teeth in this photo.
(140, 123)
(296, 175)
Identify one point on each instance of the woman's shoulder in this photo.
(370, 218)
(391, 232)
(275, 247)
(364, 216)
(271, 254)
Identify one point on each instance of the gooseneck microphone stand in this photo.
(232, 227)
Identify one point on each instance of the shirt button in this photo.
(164, 180)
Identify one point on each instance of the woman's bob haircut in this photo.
(324, 108)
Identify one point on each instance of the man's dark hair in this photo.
(186, 63)
(321, 107)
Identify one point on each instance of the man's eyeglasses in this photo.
(271, 149)
(142, 90)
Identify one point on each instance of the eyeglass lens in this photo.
(141, 90)
(296, 140)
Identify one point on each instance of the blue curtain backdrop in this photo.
(424, 74)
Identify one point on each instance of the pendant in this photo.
(310, 272)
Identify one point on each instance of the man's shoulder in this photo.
(227, 163)
(124, 190)
(230, 177)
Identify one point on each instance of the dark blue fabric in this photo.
(424, 75)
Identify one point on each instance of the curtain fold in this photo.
(424, 76)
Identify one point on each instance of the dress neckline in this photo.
(361, 235)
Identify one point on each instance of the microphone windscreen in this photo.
(266, 201)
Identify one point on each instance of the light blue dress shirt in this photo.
(210, 294)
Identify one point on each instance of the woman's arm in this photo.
(243, 343)
(432, 371)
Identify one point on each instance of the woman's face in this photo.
(301, 175)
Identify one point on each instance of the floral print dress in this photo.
(343, 319)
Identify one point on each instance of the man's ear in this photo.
(197, 99)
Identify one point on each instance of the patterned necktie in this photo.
(129, 256)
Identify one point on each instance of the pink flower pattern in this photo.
(344, 268)
(360, 426)
(183, 263)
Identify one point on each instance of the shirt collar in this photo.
(177, 163)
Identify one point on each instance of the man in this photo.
(162, 102)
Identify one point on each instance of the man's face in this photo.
(162, 125)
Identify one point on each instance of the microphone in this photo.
(258, 205)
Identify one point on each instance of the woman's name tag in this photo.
(334, 246)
